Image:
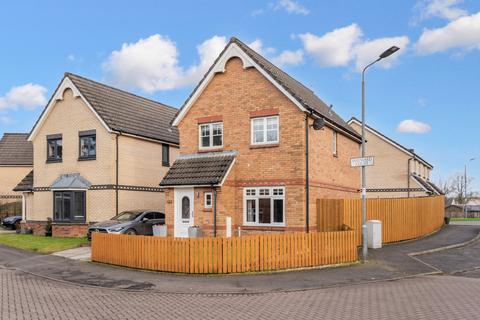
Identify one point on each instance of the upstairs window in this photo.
(54, 148)
(88, 145)
(165, 155)
(265, 130)
(211, 135)
(334, 143)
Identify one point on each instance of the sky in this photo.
(426, 96)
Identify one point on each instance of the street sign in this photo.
(360, 162)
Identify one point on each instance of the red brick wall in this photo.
(58, 230)
(235, 96)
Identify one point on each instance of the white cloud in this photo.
(462, 33)
(370, 50)
(28, 96)
(208, 51)
(445, 9)
(291, 6)
(413, 126)
(288, 57)
(152, 64)
(257, 12)
(71, 57)
(334, 48)
(257, 45)
(341, 46)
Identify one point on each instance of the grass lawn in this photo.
(40, 244)
(465, 219)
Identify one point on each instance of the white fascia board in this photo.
(228, 172)
(232, 51)
(58, 96)
(390, 142)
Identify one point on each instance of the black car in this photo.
(130, 222)
(12, 222)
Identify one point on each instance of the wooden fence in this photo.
(402, 218)
(226, 255)
(10, 207)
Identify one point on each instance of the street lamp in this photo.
(384, 55)
(465, 186)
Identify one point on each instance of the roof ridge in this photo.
(67, 74)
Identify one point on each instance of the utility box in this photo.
(194, 232)
(374, 234)
(159, 230)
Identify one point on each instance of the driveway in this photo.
(390, 262)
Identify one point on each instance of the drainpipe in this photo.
(214, 211)
(409, 171)
(116, 171)
(307, 187)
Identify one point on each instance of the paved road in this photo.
(430, 297)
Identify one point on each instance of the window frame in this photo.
(264, 130)
(83, 135)
(72, 206)
(165, 162)
(210, 126)
(272, 198)
(50, 139)
(205, 205)
(335, 143)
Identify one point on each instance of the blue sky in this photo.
(426, 96)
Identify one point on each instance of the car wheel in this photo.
(131, 232)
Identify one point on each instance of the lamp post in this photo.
(384, 55)
(465, 186)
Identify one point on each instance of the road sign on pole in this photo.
(362, 161)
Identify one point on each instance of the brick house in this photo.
(16, 161)
(398, 171)
(245, 132)
(97, 151)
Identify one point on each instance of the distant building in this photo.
(398, 171)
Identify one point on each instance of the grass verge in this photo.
(40, 244)
(464, 219)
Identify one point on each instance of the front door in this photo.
(183, 211)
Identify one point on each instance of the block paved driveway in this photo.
(26, 296)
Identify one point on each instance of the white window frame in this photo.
(334, 143)
(265, 119)
(210, 125)
(256, 197)
(205, 200)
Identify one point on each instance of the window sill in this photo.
(53, 161)
(210, 150)
(264, 228)
(69, 223)
(269, 145)
(87, 158)
(207, 209)
(166, 165)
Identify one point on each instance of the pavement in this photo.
(390, 262)
(81, 254)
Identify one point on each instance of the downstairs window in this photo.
(264, 206)
(69, 206)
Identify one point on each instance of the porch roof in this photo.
(199, 169)
(26, 184)
(70, 181)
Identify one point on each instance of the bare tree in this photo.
(454, 187)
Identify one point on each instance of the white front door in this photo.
(183, 211)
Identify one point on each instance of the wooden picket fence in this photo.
(402, 218)
(226, 255)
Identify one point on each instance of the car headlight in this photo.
(118, 229)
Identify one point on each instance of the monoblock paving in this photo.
(24, 296)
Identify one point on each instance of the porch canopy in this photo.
(204, 169)
(70, 181)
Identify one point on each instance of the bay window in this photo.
(264, 206)
(264, 130)
(211, 135)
